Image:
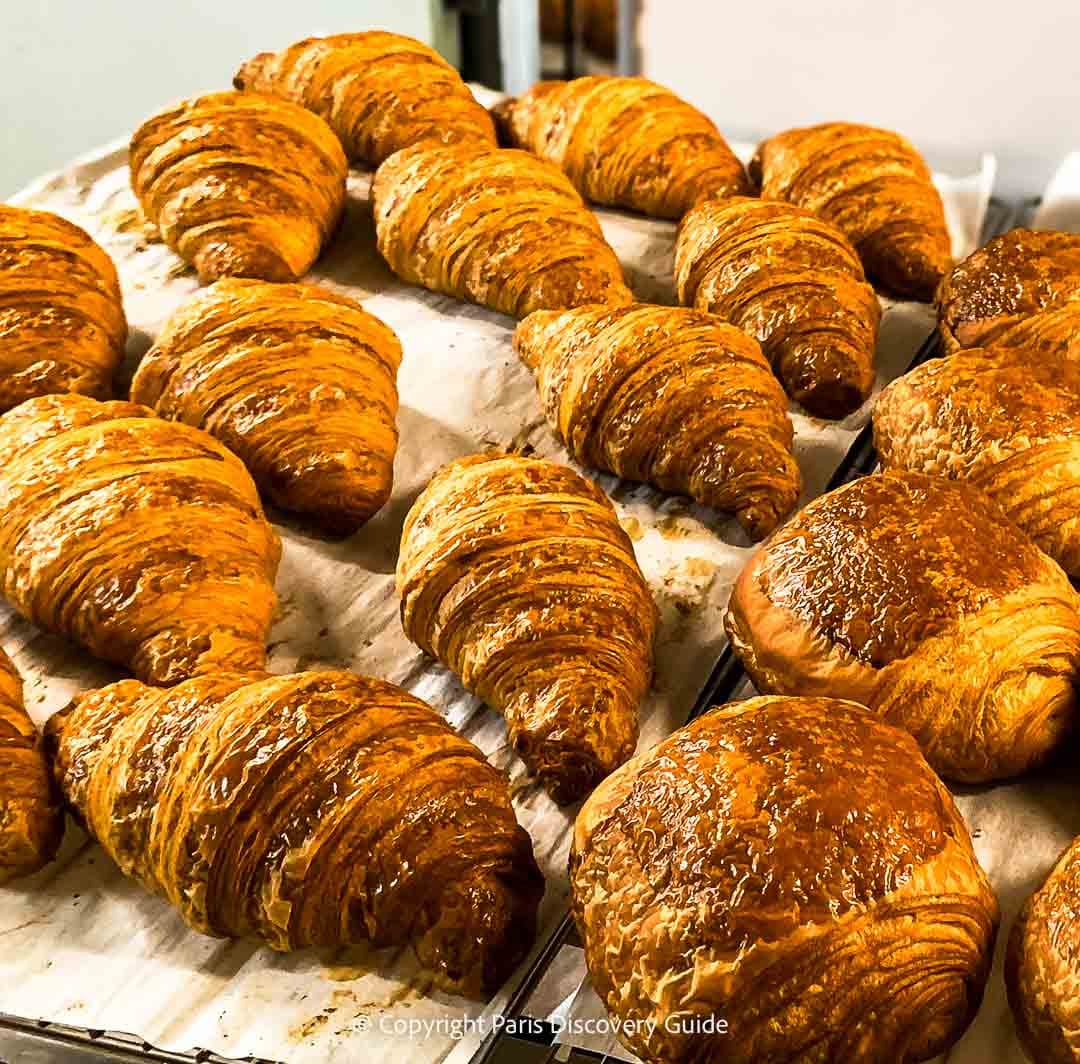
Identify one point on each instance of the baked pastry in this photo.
(318, 809)
(379, 92)
(297, 381)
(873, 185)
(671, 396)
(782, 880)
(31, 823)
(515, 573)
(1008, 423)
(1042, 966)
(794, 283)
(917, 597)
(62, 326)
(239, 184)
(989, 295)
(141, 539)
(624, 142)
(499, 228)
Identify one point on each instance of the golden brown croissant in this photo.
(671, 396)
(379, 92)
(296, 380)
(499, 228)
(917, 597)
(1042, 966)
(141, 539)
(318, 809)
(240, 185)
(62, 326)
(988, 296)
(873, 185)
(515, 573)
(31, 823)
(624, 142)
(1008, 423)
(783, 880)
(793, 282)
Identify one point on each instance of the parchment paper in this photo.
(1060, 207)
(83, 946)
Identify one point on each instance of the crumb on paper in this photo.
(632, 527)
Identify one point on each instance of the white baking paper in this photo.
(1060, 206)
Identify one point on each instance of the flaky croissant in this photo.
(917, 597)
(62, 326)
(515, 574)
(239, 184)
(1008, 423)
(296, 380)
(31, 823)
(141, 539)
(318, 809)
(499, 228)
(792, 281)
(784, 880)
(624, 142)
(379, 92)
(873, 185)
(671, 396)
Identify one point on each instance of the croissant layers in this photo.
(141, 539)
(515, 573)
(62, 326)
(624, 142)
(319, 809)
(296, 380)
(379, 92)
(240, 184)
(791, 868)
(671, 396)
(499, 228)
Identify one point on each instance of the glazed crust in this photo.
(1042, 966)
(141, 539)
(318, 809)
(379, 92)
(515, 574)
(916, 596)
(671, 396)
(1008, 423)
(873, 185)
(624, 142)
(240, 185)
(297, 381)
(62, 326)
(1016, 275)
(791, 866)
(793, 282)
(499, 228)
(31, 824)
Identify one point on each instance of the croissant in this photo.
(141, 539)
(515, 573)
(379, 92)
(795, 284)
(874, 186)
(783, 880)
(624, 142)
(499, 228)
(1006, 422)
(31, 823)
(62, 326)
(917, 597)
(671, 396)
(240, 185)
(1042, 966)
(988, 297)
(318, 809)
(298, 381)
